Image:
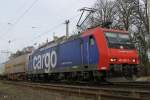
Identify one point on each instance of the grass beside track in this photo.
(11, 92)
(71, 92)
(14, 92)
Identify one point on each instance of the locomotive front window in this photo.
(117, 40)
(111, 37)
(123, 38)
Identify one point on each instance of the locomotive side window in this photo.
(29, 57)
(91, 41)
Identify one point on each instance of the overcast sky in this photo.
(24, 24)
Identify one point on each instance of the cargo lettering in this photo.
(45, 61)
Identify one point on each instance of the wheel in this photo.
(129, 73)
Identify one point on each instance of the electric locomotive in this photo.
(118, 54)
(92, 55)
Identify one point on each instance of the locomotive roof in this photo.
(114, 30)
(60, 40)
(105, 29)
(75, 36)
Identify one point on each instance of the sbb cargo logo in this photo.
(45, 61)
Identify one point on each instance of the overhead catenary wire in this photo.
(53, 28)
(23, 6)
(33, 40)
(21, 16)
(50, 29)
(26, 11)
(56, 26)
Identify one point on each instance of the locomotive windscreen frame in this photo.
(119, 40)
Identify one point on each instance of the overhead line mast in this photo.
(67, 28)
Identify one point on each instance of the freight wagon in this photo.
(15, 68)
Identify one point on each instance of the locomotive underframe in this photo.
(123, 70)
(76, 73)
(86, 73)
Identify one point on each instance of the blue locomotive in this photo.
(88, 56)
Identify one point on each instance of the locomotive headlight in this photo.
(113, 59)
(133, 60)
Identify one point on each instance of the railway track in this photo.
(116, 91)
(138, 85)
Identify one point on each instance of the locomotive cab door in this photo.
(90, 51)
(82, 53)
(86, 51)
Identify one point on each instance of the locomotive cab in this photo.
(123, 56)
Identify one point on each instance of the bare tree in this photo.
(105, 12)
(125, 9)
(142, 33)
